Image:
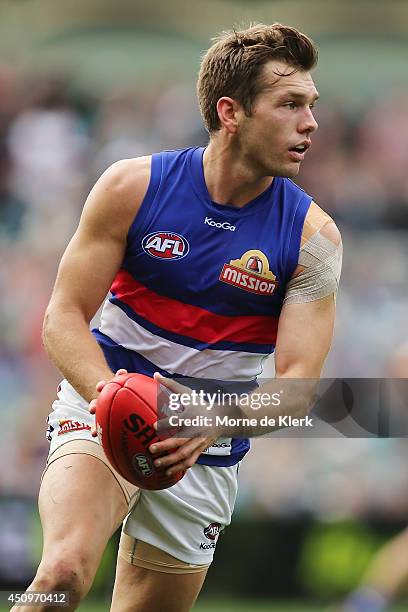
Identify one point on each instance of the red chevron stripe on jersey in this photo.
(192, 321)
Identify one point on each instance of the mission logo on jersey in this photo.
(165, 245)
(251, 273)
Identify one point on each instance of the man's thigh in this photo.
(82, 499)
(81, 503)
(138, 589)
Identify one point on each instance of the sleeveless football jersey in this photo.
(202, 285)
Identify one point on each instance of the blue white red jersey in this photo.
(202, 284)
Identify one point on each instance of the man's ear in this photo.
(227, 109)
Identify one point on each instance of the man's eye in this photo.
(290, 105)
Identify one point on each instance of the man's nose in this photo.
(308, 122)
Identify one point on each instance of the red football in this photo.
(125, 412)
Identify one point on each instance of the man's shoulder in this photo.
(318, 221)
(126, 174)
(124, 184)
(116, 196)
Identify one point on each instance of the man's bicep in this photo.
(86, 272)
(304, 337)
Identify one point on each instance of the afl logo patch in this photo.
(165, 245)
(212, 531)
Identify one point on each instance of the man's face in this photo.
(282, 119)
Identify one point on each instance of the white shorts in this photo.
(184, 520)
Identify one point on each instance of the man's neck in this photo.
(228, 179)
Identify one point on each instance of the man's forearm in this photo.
(274, 405)
(269, 406)
(75, 352)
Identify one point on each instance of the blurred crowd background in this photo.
(129, 90)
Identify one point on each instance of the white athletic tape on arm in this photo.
(321, 260)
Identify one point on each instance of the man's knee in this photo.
(71, 573)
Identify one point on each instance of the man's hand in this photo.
(183, 452)
(92, 405)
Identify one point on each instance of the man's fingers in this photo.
(190, 460)
(100, 385)
(195, 448)
(171, 384)
(185, 455)
(184, 464)
(181, 454)
(92, 406)
(167, 445)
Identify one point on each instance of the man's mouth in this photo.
(297, 153)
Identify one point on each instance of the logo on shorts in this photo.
(206, 546)
(251, 273)
(142, 464)
(212, 531)
(165, 245)
(50, 429)
(67, 425)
